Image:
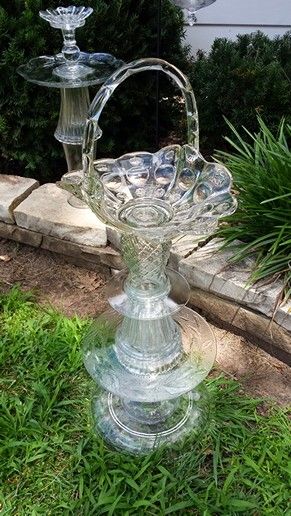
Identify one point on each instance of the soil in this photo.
(74, 290)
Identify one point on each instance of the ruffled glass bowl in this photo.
(173, 190)
(66, 17)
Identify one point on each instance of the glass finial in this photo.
(68, 19)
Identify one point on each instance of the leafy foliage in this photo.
(261, 167)
(29, 113)
(240, 80)
(53, 463)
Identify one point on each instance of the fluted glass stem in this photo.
(72, 119)
(73, 113)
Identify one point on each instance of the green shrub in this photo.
(237, 79)
(29, 113)
(261, 168)
(240, 80)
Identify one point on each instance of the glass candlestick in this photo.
(68, 19)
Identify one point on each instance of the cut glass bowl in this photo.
(142, 377)
(157, 195)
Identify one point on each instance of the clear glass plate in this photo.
(42, 70)
(143, 377)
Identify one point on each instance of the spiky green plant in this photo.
(261, 168)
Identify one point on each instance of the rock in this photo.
(283, 316)
(111, 258)
(47, 211)
(87, 264)
(196, 269)
(255, 326)
(208, 269)
(13, 232)
(265, 330)
(182, 247)
(114, 237)
(13, 189)
(96, 255)
(218, 308)
(66, 248)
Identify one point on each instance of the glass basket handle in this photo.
(93, 131)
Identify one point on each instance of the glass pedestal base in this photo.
(139, 428)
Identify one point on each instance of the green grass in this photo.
(261, 168)
(52, 463)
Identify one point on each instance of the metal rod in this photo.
(159, 33)
(267, 25)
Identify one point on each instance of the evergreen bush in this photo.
(239, 80)
(29, 113)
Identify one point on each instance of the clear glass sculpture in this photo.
(190, 8)
(72, 71)
(148, 352)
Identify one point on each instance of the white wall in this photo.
(227, 18)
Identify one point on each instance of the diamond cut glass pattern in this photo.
(149, 353)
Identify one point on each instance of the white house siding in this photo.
(227, 18)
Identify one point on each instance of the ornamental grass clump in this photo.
(261, 168)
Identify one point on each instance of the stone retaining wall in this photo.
(40, 216)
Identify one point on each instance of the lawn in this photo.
(52, 463)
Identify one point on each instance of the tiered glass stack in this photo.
(156, 351)
(72, 71)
